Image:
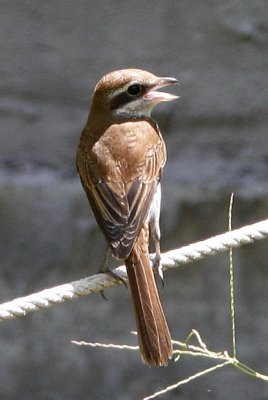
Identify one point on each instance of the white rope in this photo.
(96, 283)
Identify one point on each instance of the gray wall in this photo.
(52, 54)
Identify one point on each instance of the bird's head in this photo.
(130, 93)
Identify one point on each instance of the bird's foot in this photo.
(157, 266)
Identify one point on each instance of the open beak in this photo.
(157, 97)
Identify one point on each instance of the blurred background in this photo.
(52, 55)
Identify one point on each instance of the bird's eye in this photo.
(134, 90)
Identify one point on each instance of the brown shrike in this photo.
(120, 159)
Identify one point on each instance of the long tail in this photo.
(153, 332)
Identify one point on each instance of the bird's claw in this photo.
(157, 266)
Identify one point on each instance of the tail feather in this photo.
(153, 332)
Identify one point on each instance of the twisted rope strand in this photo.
(96, 283)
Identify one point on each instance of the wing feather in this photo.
(121, 200)
(121, 218)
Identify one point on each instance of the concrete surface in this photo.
(52, 54)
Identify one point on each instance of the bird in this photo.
(120, 159)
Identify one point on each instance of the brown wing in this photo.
(121, 212)
(121, 218)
